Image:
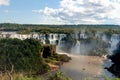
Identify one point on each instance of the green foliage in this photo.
(62, 57)
(23, 77)
(58, 76)
(24, 31)
(23, 55)
(27, 28)
(27, 55)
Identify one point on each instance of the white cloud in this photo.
(84, 11)
(4, 2)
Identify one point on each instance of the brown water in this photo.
(84, 68)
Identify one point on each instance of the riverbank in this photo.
(83, 67)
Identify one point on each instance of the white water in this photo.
(76, 49)
(114, 41)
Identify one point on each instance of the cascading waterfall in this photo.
(113, 43)
(85, 48)
(51, 38)
(60, 43)
(76, 48)
(83, 35)
(104, 38)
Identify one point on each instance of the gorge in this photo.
(89, 51)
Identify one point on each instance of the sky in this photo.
(60, 11)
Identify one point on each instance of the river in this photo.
(83, 67)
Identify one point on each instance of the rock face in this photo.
(48, 50)
(115, 68)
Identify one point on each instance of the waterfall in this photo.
(98, 35)
(113, 46)
(104, 38)
(83, 35)
(60, 43)
(50, 37)
(113, 43)
(83, 47)
(76, 49)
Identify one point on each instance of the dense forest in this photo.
(27, 28)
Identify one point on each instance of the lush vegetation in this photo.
(22, 55)
(27, 57)
(27, 28)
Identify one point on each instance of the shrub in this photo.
(62, 57)
(58, 76)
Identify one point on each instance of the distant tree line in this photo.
(26, 28)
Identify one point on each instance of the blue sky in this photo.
(60, 11)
